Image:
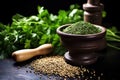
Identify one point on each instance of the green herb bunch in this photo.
(35, 30)
(113, 38)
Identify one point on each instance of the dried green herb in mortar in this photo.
(82, 28)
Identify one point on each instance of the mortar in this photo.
(82, 49)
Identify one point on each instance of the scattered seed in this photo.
(26, 71)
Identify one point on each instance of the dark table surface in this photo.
(107, 67)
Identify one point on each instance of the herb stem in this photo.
(112, 46)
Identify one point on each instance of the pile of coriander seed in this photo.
(57, 66)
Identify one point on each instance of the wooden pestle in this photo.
(93, 11)
(25, 54)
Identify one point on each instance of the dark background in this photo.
(8, 8)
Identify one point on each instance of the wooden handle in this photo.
(25, 54)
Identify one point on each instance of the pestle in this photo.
(25, 54)
(93, 11)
